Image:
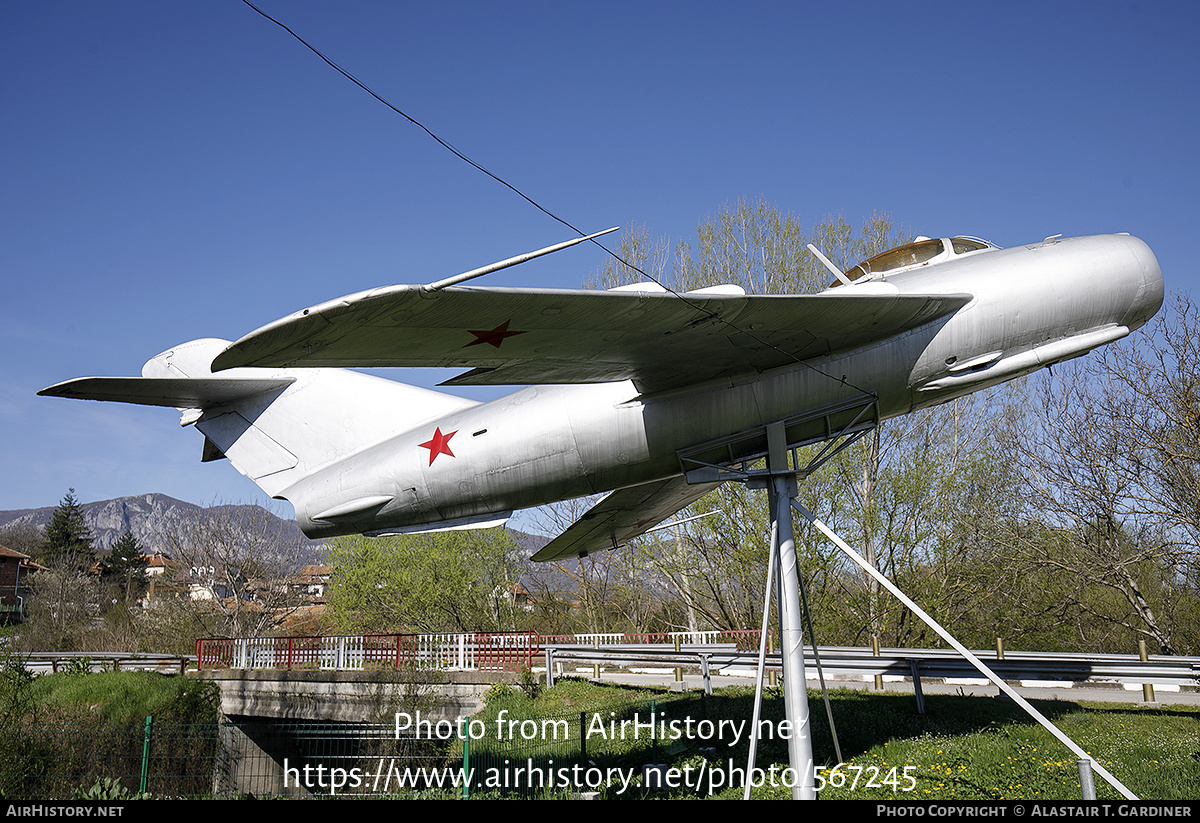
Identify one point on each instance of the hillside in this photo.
(144, 516)
(148, 515)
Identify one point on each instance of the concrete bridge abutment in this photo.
(279, 722)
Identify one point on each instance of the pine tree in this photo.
(67, 539)
(126, 565)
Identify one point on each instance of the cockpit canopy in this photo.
(921, 252)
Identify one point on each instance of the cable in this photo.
(420, 125)
(709, 315)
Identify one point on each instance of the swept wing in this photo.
(622, 516)
(547, 336)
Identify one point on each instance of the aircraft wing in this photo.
(544, 336)
(622, 516)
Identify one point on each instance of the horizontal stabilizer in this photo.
(175, 392)
(622, 516)
(277, 428)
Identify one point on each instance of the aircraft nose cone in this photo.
(1144, 270)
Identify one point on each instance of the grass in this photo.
(1154, 752)
(124, 697)
(962, 748)
(73, 728)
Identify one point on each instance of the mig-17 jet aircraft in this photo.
(639, 391)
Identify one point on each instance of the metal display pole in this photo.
(795, 687)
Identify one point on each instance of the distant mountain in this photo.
(144, 516)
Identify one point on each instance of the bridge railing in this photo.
(743, 639)
(503, 651)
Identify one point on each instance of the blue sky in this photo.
(184, 170)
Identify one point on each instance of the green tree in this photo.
(125, 567)
(440, 581)
(64, 595)
(67, 538)
(918, 500)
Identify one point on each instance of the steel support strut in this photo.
(779, 479)
(781, 490)
(961, 649)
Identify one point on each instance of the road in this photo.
(1163, 695)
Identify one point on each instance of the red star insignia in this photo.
(439, 444)
(493, 337)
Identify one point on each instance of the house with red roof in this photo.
(15, 569)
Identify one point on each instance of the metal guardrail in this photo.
(1023, 666)
(513, 651)
(744, 639)
(50, 662)
(840, 661)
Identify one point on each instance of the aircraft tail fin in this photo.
(276, 426)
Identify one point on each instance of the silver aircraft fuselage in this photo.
(1031, 306)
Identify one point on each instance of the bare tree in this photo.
(22, 537)
(1110, 456)
(716, 568)
(1150, 394)
(235, 572)
(581, 584)
(60, 608)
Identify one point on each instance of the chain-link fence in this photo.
(236, 757)
(50, 761)
(554, 754)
